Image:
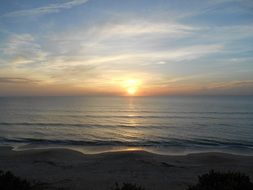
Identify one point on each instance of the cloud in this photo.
(52, 8)
(133, 58)
(22, 49)
(17, 80)
(231, 84)
(189, 53)
(135, 41)
(73, 73)
(204, 8)
(118, 36)
(137, 28)
(227, 33)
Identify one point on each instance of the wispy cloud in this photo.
(52, 8)
(124, 31)
(143, 57)
(227, 33)
(22, 49)
(136, 28)
(231, 84)
(16, 80)
(132, 41)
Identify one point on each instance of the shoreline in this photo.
(69, 169)
(90, 150)
(160, 150)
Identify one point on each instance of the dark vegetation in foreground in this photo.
(127, 186)
(210, 181)
(8, 181)
(223, 181)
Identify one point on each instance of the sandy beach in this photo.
(68, 169)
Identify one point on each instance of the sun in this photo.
(131, 86)
(131, 91)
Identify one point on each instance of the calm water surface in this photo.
(166, 125)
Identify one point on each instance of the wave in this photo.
(33, 110)
(90, 125)
(83, 125)
(153, 116)
(146, 143)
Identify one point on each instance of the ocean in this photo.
(164, 125)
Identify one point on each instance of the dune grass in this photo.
(127, 186)
(9, 181)
(213, 180)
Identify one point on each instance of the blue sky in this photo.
(104, 47)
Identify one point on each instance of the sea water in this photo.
(165, 125)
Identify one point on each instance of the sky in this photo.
(126, 47)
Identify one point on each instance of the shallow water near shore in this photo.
(163, 125)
